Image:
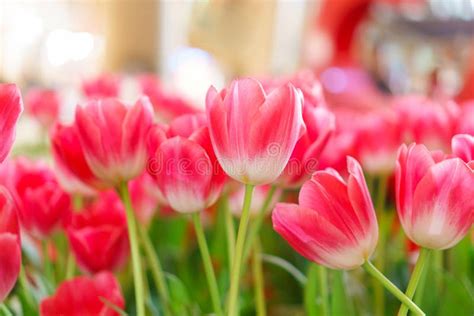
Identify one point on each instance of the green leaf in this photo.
(341, 304)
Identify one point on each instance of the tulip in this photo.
(466, 118)
(463, 147)
(83, 296)
(43, 105)
(166, 104)
(100, 228)
(72, 170)
(186, 125)
(434, 198)
(103, 86)
(10, 254)
(189, 177)
(334, 223)
(113, 138)
(42, 205)
(145, 197)
(254, 134)
(11, 106)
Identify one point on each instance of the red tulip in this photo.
(72, 170)
(43, 105)
(10, 254)
(98, 235)
(11, 106)
(113, 138)
(188, 174)
(103, 86)
(84, 296)
(186, 125)
(463, 147)
(166, 104)
(466, 118)
(254, 134)
(334, 224)
(42, 205)
(434, 198)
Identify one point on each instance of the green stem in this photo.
(25, 287)
(415, 278)
(323, 287)
(239, 251)
(379, 261)
(230, 231)
(372, 270)
(206, 260)
(258, 221)
(47, 265)
(70, 266)
(259, 279)
(156, 270)
(135, 250)
(311, 290)
(4, 310)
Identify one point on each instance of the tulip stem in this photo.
(4, 310)
(415, 278)
(258, 279)
(135, 250)
(156, 270)
(323, 287)
(47, 264)
(239, 251)
(70, 266)
(230, 231)
(257, 223)
(372, 270)
(206, 260)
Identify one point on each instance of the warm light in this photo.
(63, 46)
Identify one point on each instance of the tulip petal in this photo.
(314, 237)
(11, 106)
(10, 262)
(443, 205)
(463, 147)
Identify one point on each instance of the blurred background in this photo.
(363, 47)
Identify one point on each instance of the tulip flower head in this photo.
(113, 138)
(434, 197)
(83, 296)
(334, 223)
(254, 134)
(42, 205)
(11, 106)
(98, 234)
(188, 174)
(462, 146)
(43, 105)
(10, 254)
(102, 86)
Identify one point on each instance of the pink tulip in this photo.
(254, 134)
(113, 138)
(42, 206)
(166, 104)
(187, 124)
(103, 86)
(145, 197)
(43, 105)
(462, 146)
(100, 228)
(72, 170)
(11, 106)
(334, 223)
(434, 197)
(10, 254)
(466, 118)
(188, 174)
(85, 296)
(431, 122)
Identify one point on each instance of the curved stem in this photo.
(415, 278)
(239, 249)
(206, 260)
(135, 250)
(372, 270)
(156, 270)
(258, 279)
(258, 221)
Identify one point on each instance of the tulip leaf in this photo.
(179, 296)
(341, 303)
(287, 266)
